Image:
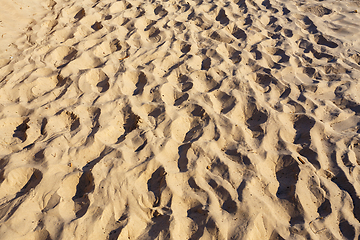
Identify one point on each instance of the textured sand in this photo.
(192, 119)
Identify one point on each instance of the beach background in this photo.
(196, 119)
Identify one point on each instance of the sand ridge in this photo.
(179, 119)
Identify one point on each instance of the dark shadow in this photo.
(91, 164)
(238, 157)
(185, 48)
(347, 229)
(275, 236)
(81, 206)
(287, 170)
(191, 15)
(303, 124)
(264, 79)
(311, 157)
(277, 28)
(284, 58)
(80, 14)
(346, 161)
(235, 57)
(206, 63)
(157, 112)
(139, 12)
(125, 21)
(211, 81)
(183, 78)
(242, 5)
(228, 102)
(199, 2)
(95, 119)
(103, 85)
(240, 190)
(183, 160)
(216, 36)
(172, 68)
(267, 4)
(219, 168)
(86, 185)
(319, 55)
(20, 131)
(52, 203)
(306, 45)
(257, 118)
(320, 39)
(34, 180)
(159, 10)
(248, 20)
(311, 28)
(179, 26)
(3, 163)
(148, 27)
(298, 107)
(194, 134)
(131, 121)
(229, 205)
(141, 147)
(186, 6)
(97, 26)
(274, 35)
(343, 183)
(186, 86)
(71, 56)
(10, 207)
(353, 106)
(288, 33)
(75, 124)
(238, 33)
(61, 81)
(43, 125)
(256, 53)
(286, 93)
(142, 81)
(193, 184)
(63, 91)
(325, 208)
(39, 156)
(181, 99)
(213, 229)
(161, 223)
(120, 224)
(341, 89)
(272, 20)
(154, 32)
(309, 71)
(157, 184)
(198, 111)
(285, 11)
(199, 216)
(302, 98)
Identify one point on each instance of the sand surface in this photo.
(196, 119)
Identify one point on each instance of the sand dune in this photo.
(193, 119)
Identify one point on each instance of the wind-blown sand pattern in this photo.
(192, 119)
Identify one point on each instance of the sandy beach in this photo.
(164, 119)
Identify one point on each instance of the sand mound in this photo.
(179, 119)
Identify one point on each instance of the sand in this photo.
(195, 119)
